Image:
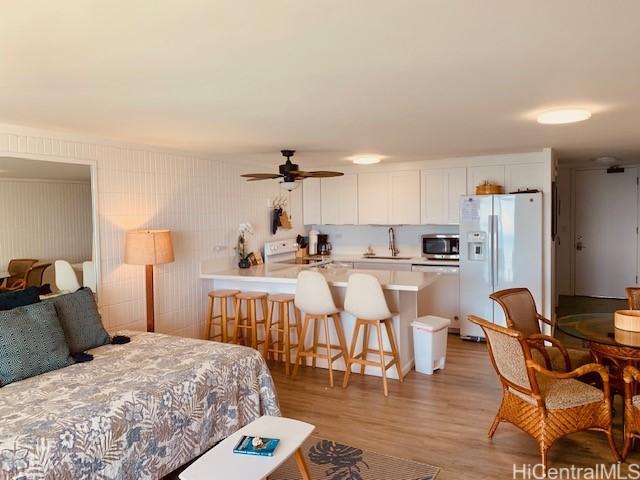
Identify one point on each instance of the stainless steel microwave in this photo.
(441, 246)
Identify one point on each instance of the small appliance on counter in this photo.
(285, 252)
(324, 247)
(441, 246)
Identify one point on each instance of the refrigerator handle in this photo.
(494, 252)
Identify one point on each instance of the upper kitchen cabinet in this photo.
(311, 204)
(389, 198)
(404, 198)
(373, 198)
(525, 176)
(485, 173)
(441, 191)
(339, 200)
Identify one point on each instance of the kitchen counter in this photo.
(336, 276)
(412, 260)
(406, 293)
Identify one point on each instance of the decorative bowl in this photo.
(628, 320)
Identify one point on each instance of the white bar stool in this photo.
(365, 301)
(314, 298)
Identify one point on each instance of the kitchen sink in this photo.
(382, 257)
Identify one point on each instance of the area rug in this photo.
(329, 460)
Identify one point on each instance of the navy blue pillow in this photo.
(20, 298)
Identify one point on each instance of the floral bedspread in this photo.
(137, 411)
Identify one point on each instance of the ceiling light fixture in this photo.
(366, 158)
(607, 160)
(564, 115)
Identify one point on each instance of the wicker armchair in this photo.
(633, 297)
(631, 376)
(547, 405)
(18, 269)
(521, 314)
(35, 274)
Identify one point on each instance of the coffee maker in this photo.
(324, 247)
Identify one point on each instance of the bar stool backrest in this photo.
(365, 298)
(313, 295)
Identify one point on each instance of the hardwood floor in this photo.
(441, 419)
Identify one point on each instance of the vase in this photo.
(244, 263)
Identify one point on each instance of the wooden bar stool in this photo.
(223, 296)
(314, 298)
(282, 344)
(248, 326)
(365, 301)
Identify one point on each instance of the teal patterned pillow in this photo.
(31, 342)
(80, 320)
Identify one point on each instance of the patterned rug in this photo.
(328, 460)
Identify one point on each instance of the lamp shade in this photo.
(148, 247)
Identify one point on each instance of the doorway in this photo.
(598, 253)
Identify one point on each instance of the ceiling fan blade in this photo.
(261, 176)
(323, 174)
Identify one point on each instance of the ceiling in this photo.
(411, 79)
(22, 168)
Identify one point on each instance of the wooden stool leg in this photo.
(394, 347)
(337, 322)
(302, 465)
(236, 326)
(267, 336)
(328, 340)
(354, 341)
(223, 319)
(207, 331)
(264, 309)
(254, 327)
(365, 346)
(296, 313)
(301, 349)
(315, 342)
(285, 335)
(382, 362)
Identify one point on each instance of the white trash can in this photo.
(430, 343)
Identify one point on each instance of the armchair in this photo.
(545, 404)
(18, 270)
(521, 314)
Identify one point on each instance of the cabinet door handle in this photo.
(579, 246)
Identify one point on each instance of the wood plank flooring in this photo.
(441, 419)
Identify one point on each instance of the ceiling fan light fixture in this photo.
(289, 186)
(564, 115)
(366, 158)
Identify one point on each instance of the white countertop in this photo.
(411, 260)
(336, 277)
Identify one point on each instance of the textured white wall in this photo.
(45, 220)
(201, 200)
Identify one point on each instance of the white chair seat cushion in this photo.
(561, 394)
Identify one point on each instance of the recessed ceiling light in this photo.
(565, 115)
(366, 158)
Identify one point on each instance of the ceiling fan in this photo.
(289, 173)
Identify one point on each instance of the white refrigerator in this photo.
(500, 247)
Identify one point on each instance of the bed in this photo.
(136, 411)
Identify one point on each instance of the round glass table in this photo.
(609, 346)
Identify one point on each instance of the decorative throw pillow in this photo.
(20, 298)
(32, 342)
(80, 320)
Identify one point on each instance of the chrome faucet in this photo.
(392, 242)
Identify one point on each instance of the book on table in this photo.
(262, 446)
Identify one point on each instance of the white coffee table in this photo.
(221, 463)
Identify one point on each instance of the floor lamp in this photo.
(148, 248)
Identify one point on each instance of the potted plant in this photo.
(245, 230)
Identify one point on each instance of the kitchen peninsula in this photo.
(404, 292)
